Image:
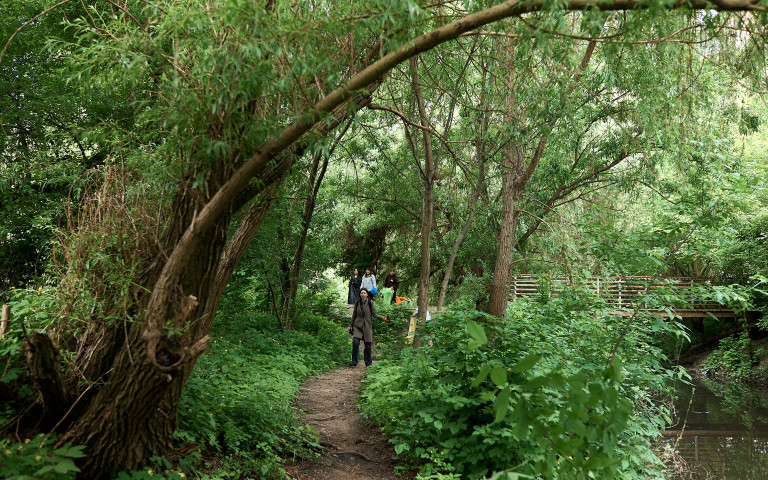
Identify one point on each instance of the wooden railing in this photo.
(685, 295)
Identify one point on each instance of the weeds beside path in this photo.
(351, 450)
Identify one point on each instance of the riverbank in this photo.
(730, 358)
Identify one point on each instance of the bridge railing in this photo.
(627, 293)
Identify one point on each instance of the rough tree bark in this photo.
(515, 176)
(125, 422)
(235, 249)
(44, 362)
(5, 319)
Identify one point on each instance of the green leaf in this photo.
(499, 375)
(501, 405)
(401, 447)
(526, 363)
(481, 375)
(72, 452)
(477, 332)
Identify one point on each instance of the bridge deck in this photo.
(685, 296)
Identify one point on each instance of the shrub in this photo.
(733, 357)
(536, 395)
(238, 400)
(38, 458)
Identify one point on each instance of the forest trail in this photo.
(351, 449)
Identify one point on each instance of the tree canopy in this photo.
(148, 147)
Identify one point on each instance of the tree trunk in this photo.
(511, 193)
(480, 155)
(44, 363)
(133, 414)
(515, 177)
(236, 248)
(427, 206)
(315, 181)
(5, 319)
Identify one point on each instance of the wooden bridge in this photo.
(685, 296)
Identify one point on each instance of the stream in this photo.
(721, 430)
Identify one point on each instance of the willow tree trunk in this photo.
(512, 189)
(517, 172)
(133, 415)
(289, 296)
(427, 205)
(316, 175)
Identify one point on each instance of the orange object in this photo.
(399, 300)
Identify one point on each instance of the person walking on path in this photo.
(354, 287)
(369, 283)
(392, 282)
(361, 328)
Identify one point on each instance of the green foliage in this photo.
(44, 158)
(734, 357)
(161, 468)
(534, 396)
(256, 369)
(390, 336)
(748, 254)
(35, 310)
(38, 458)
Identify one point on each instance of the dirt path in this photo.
(351, 449)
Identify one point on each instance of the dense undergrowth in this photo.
(539, 395)
(236, 418)
(742, 355)
(536, 395)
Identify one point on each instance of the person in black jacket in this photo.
(354, 287)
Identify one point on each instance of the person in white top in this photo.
(369, 283)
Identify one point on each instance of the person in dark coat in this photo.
(354, 287)
(392, 282)
(361, 327)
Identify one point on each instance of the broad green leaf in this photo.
(526, 363)
(477, 332)
(481, 375)
(501, 405)
(499, 375)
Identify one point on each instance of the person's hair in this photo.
(365, 290)
(356, 270)
(368, 269)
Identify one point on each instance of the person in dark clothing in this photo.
(361, 328)
(392, 282)
(354, 287)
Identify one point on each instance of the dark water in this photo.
(721, 430)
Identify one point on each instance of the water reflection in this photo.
(721, 430)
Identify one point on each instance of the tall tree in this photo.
(519, 162)
(222, 91)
